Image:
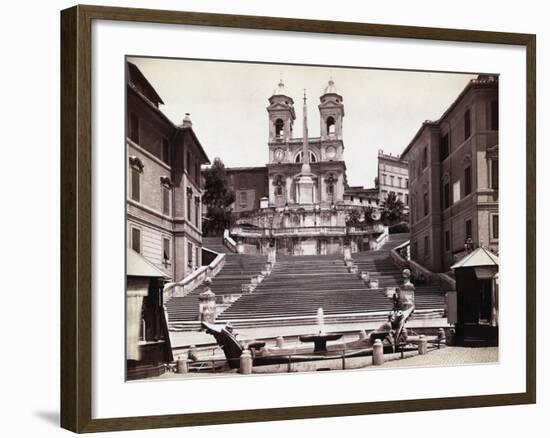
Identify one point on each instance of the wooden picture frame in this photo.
(76, 217)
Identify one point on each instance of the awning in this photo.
(479, 257)
(139, 266)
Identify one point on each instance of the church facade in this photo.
(306, 209)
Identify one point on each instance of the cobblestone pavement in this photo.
(447, 356)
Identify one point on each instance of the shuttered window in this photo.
(135, 187)
(136, 240)
(467, 180)
(190, 254)
(134, 128)
(468, 229)
(166, 249)
(467, 125)
(446, 195)
(165, 201)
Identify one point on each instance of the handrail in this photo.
(380, 240)
(228, 241)
(420, 271)
(196, 278)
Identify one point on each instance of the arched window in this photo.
(331, 125)
(279, 128)
(299, 155)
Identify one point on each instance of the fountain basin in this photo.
(320, 340)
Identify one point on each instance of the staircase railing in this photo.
(229, 242)
(397, 256)
(193, 280)
(380, 240)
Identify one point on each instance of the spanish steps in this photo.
(237, 270)
(380, 266)
(299, 285)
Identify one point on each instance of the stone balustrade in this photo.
(193, 280)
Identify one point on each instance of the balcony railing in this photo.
(257, 232)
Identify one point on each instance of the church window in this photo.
(331, 125)
(299, 155)
(279, 128)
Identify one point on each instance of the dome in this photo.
(330, 88)
(280, 91)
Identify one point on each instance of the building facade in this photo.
(453, 172)
(250, 185)
(393, 177)
(163, 197)
(307, 203)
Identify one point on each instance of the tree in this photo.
(393, 210)
(218, 197)
(353, 218)
(369, 210)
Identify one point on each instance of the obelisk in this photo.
(305, 184)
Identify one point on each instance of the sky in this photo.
(227, 104)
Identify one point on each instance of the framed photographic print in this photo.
(268, 218)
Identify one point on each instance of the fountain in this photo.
(321, 320)
(321, 338)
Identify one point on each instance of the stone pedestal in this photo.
(305, 190)
(406, 292)
(182, 366)
(378, 353)
(422, 345)
(207, 305)
(245, 366)
(347, 253)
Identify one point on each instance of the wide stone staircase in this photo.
(215, 244)
(379, 265)
(183, 312)
(299, 285)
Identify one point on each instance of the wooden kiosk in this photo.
(477, 299)
(147, 340)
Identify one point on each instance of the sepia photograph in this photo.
(287, 218)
